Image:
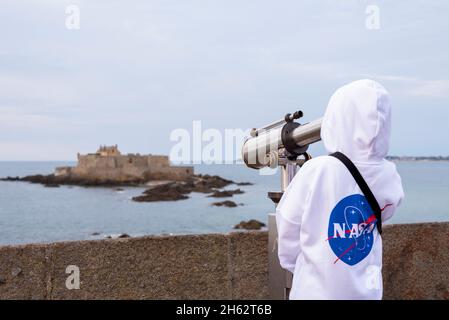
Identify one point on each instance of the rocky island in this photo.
(109, 167)
(178, 190)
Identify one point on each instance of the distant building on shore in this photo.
(109, 164)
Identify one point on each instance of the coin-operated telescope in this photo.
(282, 144)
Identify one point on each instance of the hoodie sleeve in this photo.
(288, 219)
(393, 199)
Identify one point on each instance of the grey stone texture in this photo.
(212, 266)
(416, 261)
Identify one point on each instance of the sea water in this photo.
(33, 213)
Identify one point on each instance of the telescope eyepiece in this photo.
(292, 117)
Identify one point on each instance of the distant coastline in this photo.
(418, 158)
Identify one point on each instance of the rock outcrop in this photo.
(167, 192)
(177, 190)
(225, 193)
(227, 203)
(170, 191)
(244, 184)
(250, 225)
(53, 180)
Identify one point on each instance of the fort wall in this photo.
(109, 164)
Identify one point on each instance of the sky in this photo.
(134, 71)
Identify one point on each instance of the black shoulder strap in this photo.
(363, 186)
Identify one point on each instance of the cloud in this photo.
(11, 118)
(432, 88)
(38, 89)
(18, 150)
(303, 68)
(414, 86)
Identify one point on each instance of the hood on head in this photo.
(357, 121)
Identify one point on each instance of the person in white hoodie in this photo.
(327, 234)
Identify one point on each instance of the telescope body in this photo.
(261, 150)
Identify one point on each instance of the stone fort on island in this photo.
(109, 164)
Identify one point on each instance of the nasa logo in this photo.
(350, 231)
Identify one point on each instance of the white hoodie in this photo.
(327, 233)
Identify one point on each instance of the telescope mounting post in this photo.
(279, 279)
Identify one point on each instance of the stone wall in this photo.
(214, 266)
(416, 261)
(122, 161)
(171, 173)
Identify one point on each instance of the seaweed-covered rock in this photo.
(196, 183)
(250, 225)
(123, 235)
(241, 184)
(10, 179)
(178, 190)
(118, 236)
(207, 183)
(172, 191)
(227, 203)
(225, 193)
(52, 180)
(166, 192)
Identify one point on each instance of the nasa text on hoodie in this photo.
(327, 233)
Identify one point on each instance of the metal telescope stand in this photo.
(280, 280)
(280, 144)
